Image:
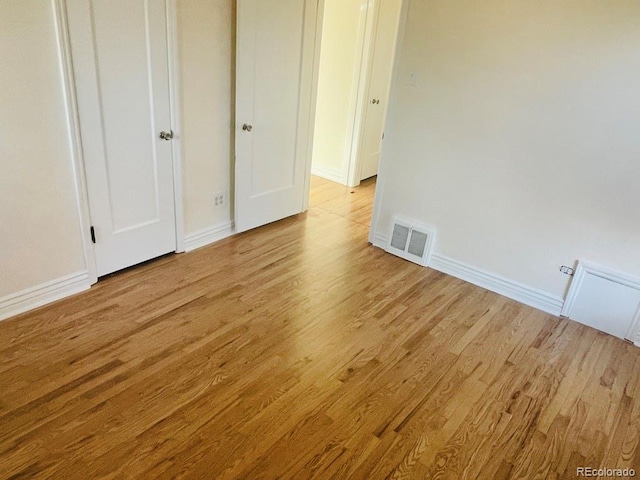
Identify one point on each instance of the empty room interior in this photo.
(333, 239)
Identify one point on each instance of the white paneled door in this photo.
(119, 50)
(386, 23)
(276, 42)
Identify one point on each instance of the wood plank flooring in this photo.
(299, 351)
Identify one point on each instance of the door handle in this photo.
(247, 128)
(375, 101)
(166, 135)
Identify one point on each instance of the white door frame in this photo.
(73, 120)
(384, 164)
(314, 101)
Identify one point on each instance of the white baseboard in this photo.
(531, 296)
(380, 240)
(44, 293)
(509, 288)
(208, 235)
(328, 173)
(635, 328)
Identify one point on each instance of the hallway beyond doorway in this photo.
(353, 203)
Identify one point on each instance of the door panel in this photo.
(381, 70)
(275, 59)
(120, 57)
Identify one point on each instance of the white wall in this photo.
(521, 140)
(337, 87)
(206, 43)
(40, 236)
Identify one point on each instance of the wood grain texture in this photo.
(297, 351)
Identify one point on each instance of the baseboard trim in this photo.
(39, 295)
(380, 240)
(503, 286)
(208, 235)
(509, 288)
(328, 173)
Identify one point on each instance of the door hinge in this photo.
(93, 234)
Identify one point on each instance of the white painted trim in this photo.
(380, 240)
(634, 330)
(328, 173)
(315, 76)
(208, 235)
(387, 164)
(75, 143)
(39, 295)
(173, 52)
(517, 291)
(587, 268)
(531, 296)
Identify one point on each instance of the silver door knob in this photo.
(247, 128)
(166, 135)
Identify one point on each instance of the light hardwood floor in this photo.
(299, 351)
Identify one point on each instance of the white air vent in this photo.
(411, 240)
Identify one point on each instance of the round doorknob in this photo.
(247, 128)
(166, 135)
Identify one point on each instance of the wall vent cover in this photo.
(411, 240)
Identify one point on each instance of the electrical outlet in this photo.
(220, 199)
(567, 270)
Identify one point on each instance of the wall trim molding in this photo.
(328, 173)
(634, 331)
(380, 240)
(175, 103)
(315, 80)
(512, 289)
(208, 235)
(39, 295)
(74, 136)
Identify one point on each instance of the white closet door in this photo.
(119, 50)
(274, 90)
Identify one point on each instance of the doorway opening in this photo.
(355, 72)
